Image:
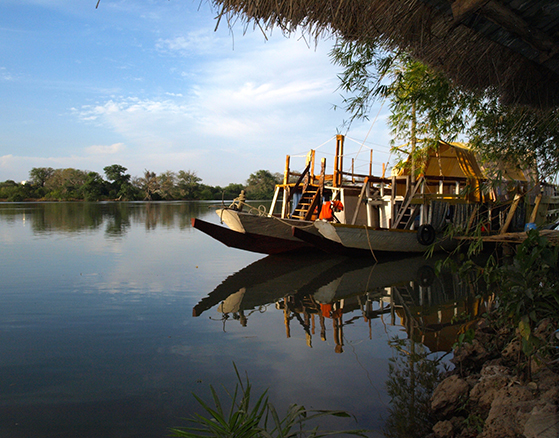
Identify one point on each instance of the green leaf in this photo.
(524, 327)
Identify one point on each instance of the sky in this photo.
(153, 85)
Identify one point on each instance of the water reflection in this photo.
(115, 218)
(413, 373)
(323, 296)
(313, 292)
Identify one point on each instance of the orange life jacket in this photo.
(328, 209)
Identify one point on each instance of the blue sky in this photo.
(150, 84)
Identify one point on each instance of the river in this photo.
(113, 314)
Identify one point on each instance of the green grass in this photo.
(244, 419)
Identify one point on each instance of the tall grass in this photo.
(244, 419)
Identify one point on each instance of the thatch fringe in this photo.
(424, 28)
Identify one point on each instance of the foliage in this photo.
(425, 104)
(40, 175)
(412, 379)
(74, 184)
(188, 184)
(244, 419)
(528, 290)
(149, 185)
(65, 183)
(261, 185)
(94, 188)
(372, 72)
(120, 189)
(521, 136)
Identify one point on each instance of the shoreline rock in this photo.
(486, 397)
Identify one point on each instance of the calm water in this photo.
(98, 336)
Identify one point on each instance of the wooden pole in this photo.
(339, 162)
(513, 207)
(311, 174)
(413, 142)
(336, 163)
(286, 171)
(534, 214)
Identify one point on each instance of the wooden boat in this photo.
(385, 240)
(259, 243)
(397, 214)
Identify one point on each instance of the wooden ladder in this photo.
(407, 212)
(308, 202)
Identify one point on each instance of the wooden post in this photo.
(286, 319)
(363, 191)
(371, 164)
(336, 163)
(339, 163)
(534, 214)
(393, 201)
(285, 188)
(286, 172)
(311, 173)
(512, 209)
(353, 170)
(321, 180)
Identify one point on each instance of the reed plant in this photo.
(244, 419)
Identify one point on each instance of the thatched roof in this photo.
(511, 45)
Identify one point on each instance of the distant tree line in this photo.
(48, 184)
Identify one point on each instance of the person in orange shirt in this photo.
(328, 209)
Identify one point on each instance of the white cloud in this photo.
(5, 75)
(200, 41)
(105, 150)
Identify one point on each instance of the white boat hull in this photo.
(390, 240)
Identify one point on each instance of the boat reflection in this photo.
(314, 292)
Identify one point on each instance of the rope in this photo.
(261, 211)
(304, 154)
(370, 129)
(369, 243)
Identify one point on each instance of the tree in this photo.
(94, 187)
(167, 181)
(261, 185)
(149, 184)
(188, 184)
(424, 104)
(231, 191)
(121, 188)
(40, 175)
(526, 137)
(115, 173)
(65, 183)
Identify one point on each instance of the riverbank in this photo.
(494, 391)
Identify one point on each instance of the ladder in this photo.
(407, 212)
(307, 204)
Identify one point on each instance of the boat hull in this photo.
(386, 240)
(251, 241)
(270, 226)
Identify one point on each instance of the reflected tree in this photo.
(413, 376)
